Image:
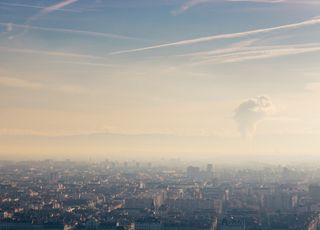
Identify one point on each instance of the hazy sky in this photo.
(159, 78)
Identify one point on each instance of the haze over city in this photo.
(159, 114)
(188, 79)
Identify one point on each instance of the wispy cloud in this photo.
(71, 31)
(54, 134)
(193, 3)
(20, 83)
(262, 1)
(44, 11)
(38, 133)
(238, 46)
(49, 53)
(93, 64)
(107, 132)
(313, 87)
(12, 82)
(240, 54)
(33, 6)
(68, 58)
(20, 132)
(189, 4)
(310, 22)
(51, 8)
(58, 6)
(256, 53)
(72, 89)
(279, 1)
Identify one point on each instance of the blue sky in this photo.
(154, 78)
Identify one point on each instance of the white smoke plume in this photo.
(250, 112)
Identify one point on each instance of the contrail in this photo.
(50, 53)
(46, 10)
(52, 8)
(58, 6)
(189, 5)
(32, 6)
(72, 31)
(256, 53)
(310, 22)
(192, 3)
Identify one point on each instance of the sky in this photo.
(131, 79)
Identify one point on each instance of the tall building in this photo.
(314, 191)
(210, 168)
(193, 172)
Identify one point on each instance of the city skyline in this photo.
(152, 79)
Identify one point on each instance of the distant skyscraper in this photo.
(314, 191)
(210, 168)
(193, 172)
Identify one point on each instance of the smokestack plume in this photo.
(252, 111)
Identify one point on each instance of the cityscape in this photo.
(136, 195)
(160, 114)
